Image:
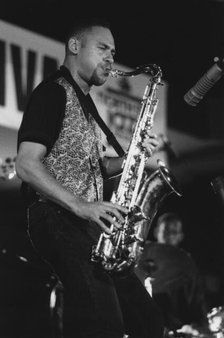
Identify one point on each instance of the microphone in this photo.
(207, 81)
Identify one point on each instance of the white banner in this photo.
(24, 58)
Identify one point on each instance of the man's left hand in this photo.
(150, 143)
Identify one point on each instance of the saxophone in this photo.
(140, 193)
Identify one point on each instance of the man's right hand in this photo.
(99, 212)
(30, 169)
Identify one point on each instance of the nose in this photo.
(109, 57)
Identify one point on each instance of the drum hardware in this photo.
(216, 321)
(176, 334)
(48, 282)
(56, 309)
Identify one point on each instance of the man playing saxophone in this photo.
(61, 166)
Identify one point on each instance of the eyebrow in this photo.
(108, 47)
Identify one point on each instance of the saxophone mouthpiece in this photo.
(115, 72)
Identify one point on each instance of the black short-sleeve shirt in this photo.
(45, 110)
(43, 114)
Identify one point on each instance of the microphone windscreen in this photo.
(196, 93)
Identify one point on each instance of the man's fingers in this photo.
(151, 142)
(103, 226)
(114, 220)
(115, 206)
(108, 212)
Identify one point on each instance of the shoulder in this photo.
(47, 88)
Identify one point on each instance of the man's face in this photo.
(170, 233)
(96, 55)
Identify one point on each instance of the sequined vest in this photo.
(74, 158)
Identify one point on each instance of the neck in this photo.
(84, 86)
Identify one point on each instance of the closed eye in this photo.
(105, 47)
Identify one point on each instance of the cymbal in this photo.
(166, 265)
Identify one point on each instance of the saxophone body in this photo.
(139, 193)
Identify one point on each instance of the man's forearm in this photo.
(35, 174)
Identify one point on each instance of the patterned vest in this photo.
(74, 158)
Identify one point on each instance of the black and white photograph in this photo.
(112, 169)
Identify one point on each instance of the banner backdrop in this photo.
(26, 58)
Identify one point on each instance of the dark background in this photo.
(183, 37)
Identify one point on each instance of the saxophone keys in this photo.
(136, 214)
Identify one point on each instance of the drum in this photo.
(188, 331)
(172, 334)
(216, 321)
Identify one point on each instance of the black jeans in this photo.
(96, 304)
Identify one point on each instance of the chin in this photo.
(99, 82)
(98, 79)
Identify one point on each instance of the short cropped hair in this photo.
(81, 25)
(168, 217)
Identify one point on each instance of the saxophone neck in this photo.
(150, 69)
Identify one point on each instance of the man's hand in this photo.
(150, 143)
(99, 212)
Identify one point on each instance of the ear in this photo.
(73, 45)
